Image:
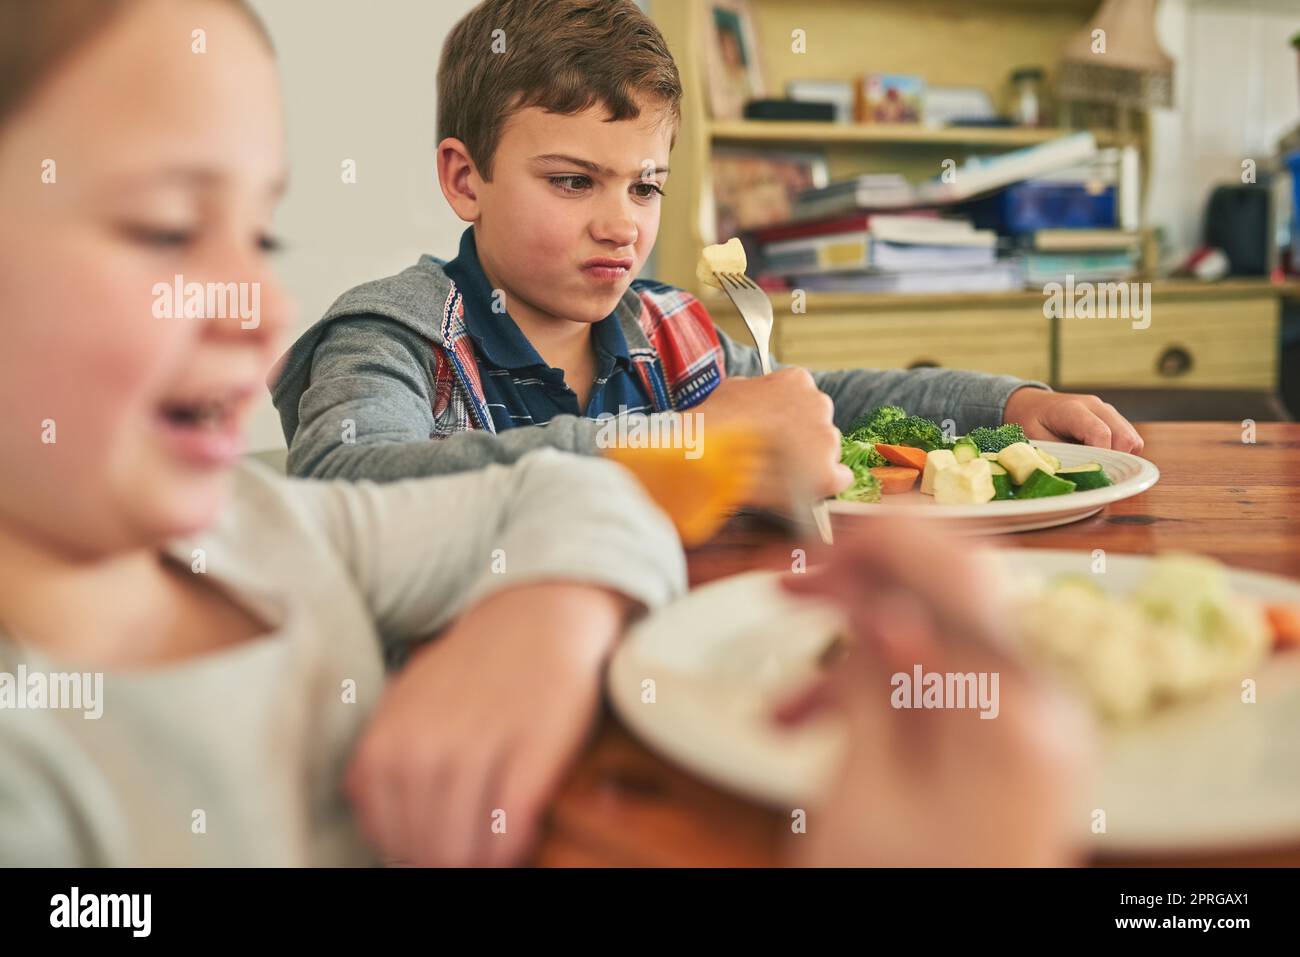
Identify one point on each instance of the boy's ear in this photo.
(458, 176)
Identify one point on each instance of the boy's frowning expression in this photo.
(571, 211)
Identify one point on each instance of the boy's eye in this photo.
(571, 184)
(646, 190)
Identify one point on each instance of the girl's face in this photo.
(137, 161)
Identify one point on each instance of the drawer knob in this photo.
(1173, 362)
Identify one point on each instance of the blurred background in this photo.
(909, 177)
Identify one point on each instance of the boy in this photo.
(555, 120)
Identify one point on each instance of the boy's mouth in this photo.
(606, 269)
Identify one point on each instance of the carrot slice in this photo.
(894, 479)
(1285, 622)
(903, 455)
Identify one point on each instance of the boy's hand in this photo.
(937, 787)
(787, 409)
(482, 720)
(1072, 418)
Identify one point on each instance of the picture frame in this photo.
(755, 187)
(891, 98)
(733, 62)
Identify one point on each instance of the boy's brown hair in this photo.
(561, 55)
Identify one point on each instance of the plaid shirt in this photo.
(672, 342)
(520, 387)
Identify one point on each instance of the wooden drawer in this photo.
(1011, 340)
(1214, 343)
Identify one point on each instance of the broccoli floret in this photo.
(857, 454)
(860, 457)
(995, 440)
(865, 488)
(891, 425)
(871, 425)
(916, 432)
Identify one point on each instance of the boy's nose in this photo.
(615, 227)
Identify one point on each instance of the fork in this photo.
(756, 310)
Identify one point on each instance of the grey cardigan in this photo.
(356, 392)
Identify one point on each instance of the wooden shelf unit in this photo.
(1229, 329)
(760, 132)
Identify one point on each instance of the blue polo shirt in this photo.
(520, 388)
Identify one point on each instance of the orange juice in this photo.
(698, 493)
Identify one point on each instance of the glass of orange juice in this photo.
(699, 493)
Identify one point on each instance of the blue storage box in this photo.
(1030, 206)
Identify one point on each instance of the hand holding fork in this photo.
(756, 311)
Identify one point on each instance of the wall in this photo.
(358, 84)
(1237, 89)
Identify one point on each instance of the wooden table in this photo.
(1218, 495)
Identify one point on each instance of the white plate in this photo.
(1130, 474)
(1209, 774)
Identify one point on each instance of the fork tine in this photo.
(738, 281)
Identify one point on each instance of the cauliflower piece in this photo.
(1093, 642)
(1181, 632)
(967, 484)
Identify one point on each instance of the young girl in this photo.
(233, 622)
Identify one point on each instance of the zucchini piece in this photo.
(1020, 459)
(1002, 487)
(1042, 485)
(965, 449)
(1086, 477)
(1050, 459)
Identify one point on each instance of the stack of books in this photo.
(1091, 255)
(983, 175)
(978, 177)
(881, 252)
(873, 191)
(879, 233)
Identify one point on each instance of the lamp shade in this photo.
(1123, 63)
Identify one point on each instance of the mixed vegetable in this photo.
(888, 450)
(1180, 632)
